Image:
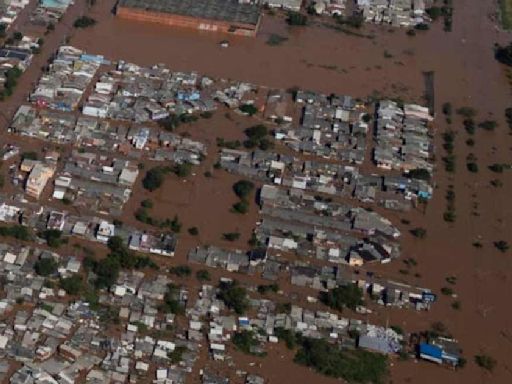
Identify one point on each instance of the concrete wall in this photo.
(187, 22)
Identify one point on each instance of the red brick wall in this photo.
(187, 22)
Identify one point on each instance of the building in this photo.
(227, 16)
(37, 179)
(105, 231)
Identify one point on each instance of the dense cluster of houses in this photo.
(59, 339)
(17, 210)
(68, 76)
(309, 207)
(330, 127)
(143, 94)
(404, 138)
(9, 11)
(271, 267)
(398, 13)
(49, 12)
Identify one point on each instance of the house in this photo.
(37, 179)
(289, 5)
(441, 351)
(105, 231)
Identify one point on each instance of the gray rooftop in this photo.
(223, 10)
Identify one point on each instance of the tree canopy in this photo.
(345, 296)
(234, 296)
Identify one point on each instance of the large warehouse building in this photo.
(227, 16)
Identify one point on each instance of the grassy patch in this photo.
(275, 39)
(505, 8)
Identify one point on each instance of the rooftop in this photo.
(224, 10)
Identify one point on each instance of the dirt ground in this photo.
(321, 59)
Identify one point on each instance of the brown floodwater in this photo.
(322, 59)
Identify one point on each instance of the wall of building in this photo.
(188, 22)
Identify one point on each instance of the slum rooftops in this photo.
(223, 10)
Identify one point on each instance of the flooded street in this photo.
(322, 59)
(325, 60)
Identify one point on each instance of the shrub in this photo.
(497, 183)
(264, 289)
(420, 233)
(469, 126)
(353, 21)
(488, 125)
(175, 224)
(31, 155)
(449, 216)
(467, 112)
(472, 167)
(193, 231)
(147, 203)
(486, 362)
(297, 19)
(53, 237)
(275, 39)
(422, 27)
(447, 109)
(497, 168)
(182, 169)
(203, 275)
(501, 245)
(249, 109)
(84, 22)
(231, 236)
(18, 232)
(447, 291)
(504, 54)
(181, 271)
(434, 12)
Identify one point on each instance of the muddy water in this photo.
(329, 61)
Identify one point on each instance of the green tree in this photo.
(243, 188)
(356, 366)
(73, 285)
(234, 296)
(349, 296)
(154, 178)
(46, 266)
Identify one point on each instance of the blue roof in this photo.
(431, 350)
